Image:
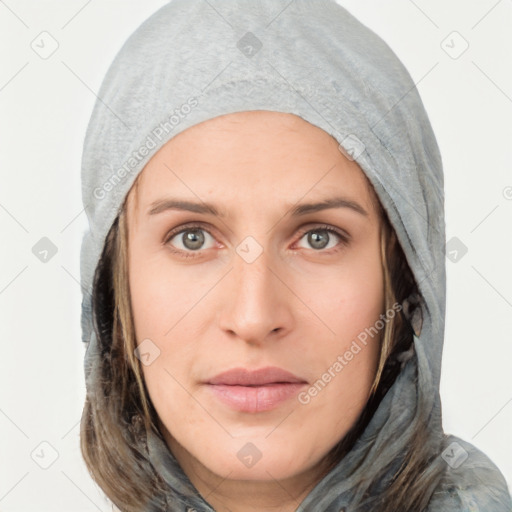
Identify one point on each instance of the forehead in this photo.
(257, 156)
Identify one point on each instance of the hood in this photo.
(195, 60)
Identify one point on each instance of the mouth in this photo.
(255, 391)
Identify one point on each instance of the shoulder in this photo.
(471, 481)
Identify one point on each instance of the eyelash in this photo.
(195, 254)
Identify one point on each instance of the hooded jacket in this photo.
(194, 60)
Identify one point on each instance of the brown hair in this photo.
(118, 411)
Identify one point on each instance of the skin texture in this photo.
(296, 306)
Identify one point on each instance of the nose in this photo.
(256, 303)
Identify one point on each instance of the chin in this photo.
(251, 457)
(274, 464)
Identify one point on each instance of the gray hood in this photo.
(195, 60)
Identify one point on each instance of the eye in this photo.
(189, 239)
(324, 237)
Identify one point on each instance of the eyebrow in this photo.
(162, 205)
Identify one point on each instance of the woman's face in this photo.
(268, 280)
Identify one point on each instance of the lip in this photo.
(255, 391)
(260, 377)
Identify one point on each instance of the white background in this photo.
(45, 105)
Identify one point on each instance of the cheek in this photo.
(349, 298)
(349, 301)
(162, 295)
(166, 307)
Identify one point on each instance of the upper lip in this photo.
(259, 377)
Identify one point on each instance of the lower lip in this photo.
(256, 398)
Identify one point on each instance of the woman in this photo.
(265, 272)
